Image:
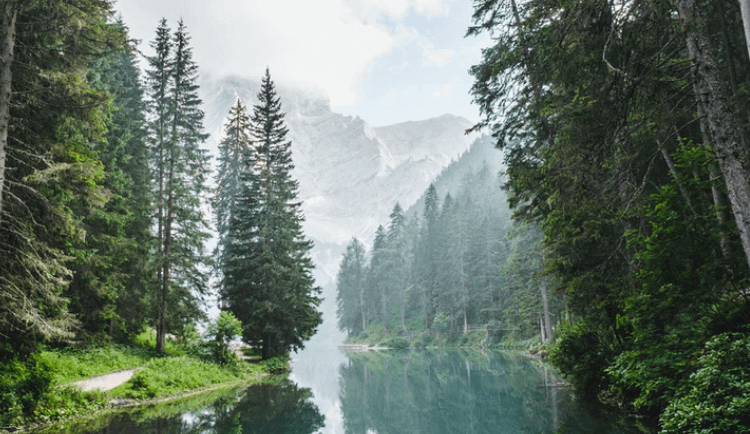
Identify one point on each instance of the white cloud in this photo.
(442, 90)
(436, 56)
(371, 10)
(327, 42)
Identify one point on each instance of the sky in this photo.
(386, 61)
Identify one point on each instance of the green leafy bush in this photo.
(220, 334)
(396, 343)
(441, 321)
(582, 356)
(717, 396)
(494, 330)
(275, 365)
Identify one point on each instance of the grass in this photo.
(72, 365)
(171, 375)
(159, 376)
(75, 364)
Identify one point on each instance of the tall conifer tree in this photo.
(234, 159)
(108, 288)
(50, 117)
(269, 283)
(351, 286)
(181, 167)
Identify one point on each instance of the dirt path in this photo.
(104, 382)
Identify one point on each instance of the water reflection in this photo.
(455, 392)
(330, 392)
(283, 407)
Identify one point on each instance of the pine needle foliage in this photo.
(267, 270)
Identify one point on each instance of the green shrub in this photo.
(494, 331)
(275, 365)
(582, 356)
(374, 332)
(441, 321)
(717, 396)
(396, 343)
(23, 383)
(219, 334)
(147, 341)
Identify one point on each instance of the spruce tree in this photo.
(158, 80)
(269, 283)
(398, 268)
(234, 160)
(50, 119)
(351, 287)
(377, 278)
(181, 167)
(108, 288)
(427, 265)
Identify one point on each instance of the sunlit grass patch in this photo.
(171, 375)
(70, 365)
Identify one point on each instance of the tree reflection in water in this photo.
(267, 408)
(459, 392)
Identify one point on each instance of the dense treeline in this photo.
(624, 126)
(102, 193)
(457, 265)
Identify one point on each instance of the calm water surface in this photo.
(431, 392)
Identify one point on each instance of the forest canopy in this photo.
(625, 131)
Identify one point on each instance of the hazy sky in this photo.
(386, 61)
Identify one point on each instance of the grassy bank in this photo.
(39, 392)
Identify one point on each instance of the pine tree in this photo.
(377, 281)
(234, 160)
(158, 79)
(427, 265)
(181, 166)
(269, 283)
(108, 287)
(351, 287)
(397, 273)
(52, 118)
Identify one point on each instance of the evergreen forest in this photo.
(104, 196)
(624, 127)
(452, 263)
(614, 241)
(624, 131)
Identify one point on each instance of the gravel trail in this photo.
(104, 382)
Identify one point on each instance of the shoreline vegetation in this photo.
(376, 337)
(179, 373)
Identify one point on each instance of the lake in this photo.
(332, 392)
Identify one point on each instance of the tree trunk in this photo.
(7, 43)
(745, 9)
(545, 307)
(167, 260)
(402, 314)
(733, 158)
